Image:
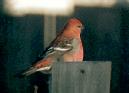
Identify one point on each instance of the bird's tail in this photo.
(34, 69)
(29, 71)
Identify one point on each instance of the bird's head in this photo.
(75, 24)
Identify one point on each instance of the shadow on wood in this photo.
(86, 77)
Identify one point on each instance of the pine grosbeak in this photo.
(67, 47)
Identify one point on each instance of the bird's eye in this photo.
(80, 27)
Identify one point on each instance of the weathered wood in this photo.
(49, 30)
(87, 77)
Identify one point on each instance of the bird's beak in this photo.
(82, 28)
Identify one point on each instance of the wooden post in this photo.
(49, 29)
(86, 77)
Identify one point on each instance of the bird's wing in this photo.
(61, 44)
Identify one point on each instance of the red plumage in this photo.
(67, 47)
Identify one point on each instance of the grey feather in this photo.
(30, 71)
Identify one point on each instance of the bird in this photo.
(66, 47)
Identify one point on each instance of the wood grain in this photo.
(86, 77)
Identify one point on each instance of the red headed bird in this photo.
(67, 47)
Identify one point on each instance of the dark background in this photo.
(106, 37)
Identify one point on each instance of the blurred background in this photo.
(27, 27)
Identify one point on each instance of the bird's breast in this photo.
(76, 54)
